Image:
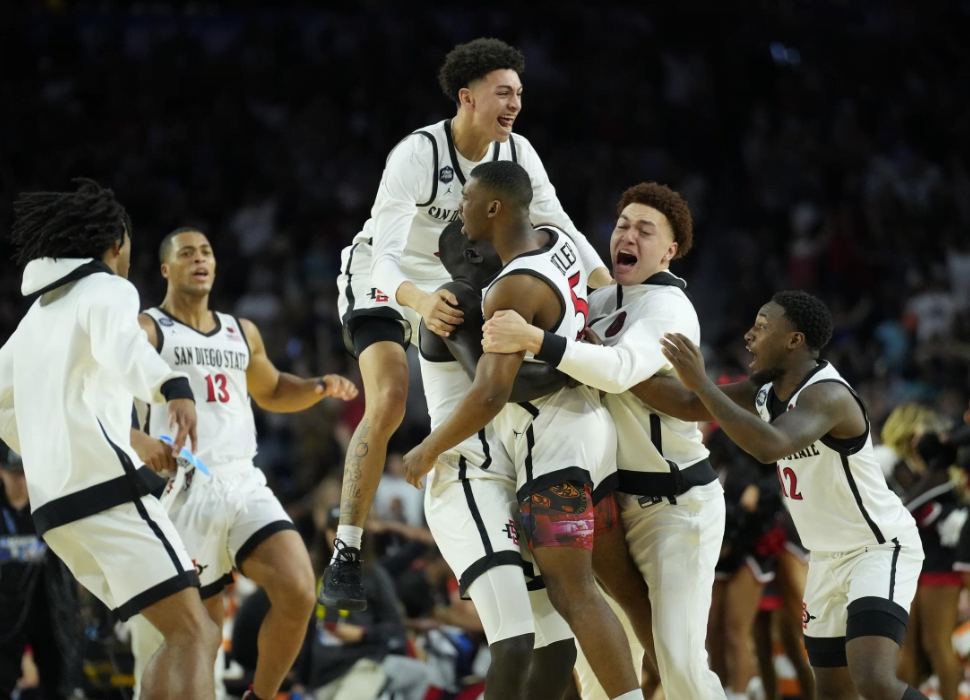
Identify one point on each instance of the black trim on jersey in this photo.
(132, 473)
(776, 404)
(892, 568)
(515, 156)
(670, 484)
(472, 506)
(539, 275)
(454, 157)
(577, 475)
(128, 487)
(530, 442)
(348, 314)
(485, 449)
(655, 436)
(826, 652)
(619, 297)
(211, 333)
(242, 332)
(535, 584)
(159, 592)
(666, 278)
(158, 334)
(858, 499)
(88, 268)
(529, 408)
(434, 166)
(260, 536)
(873, 616)
(847, 446)
(216, 587)
(480, 566)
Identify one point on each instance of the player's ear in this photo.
(472, 256)
(164, 270)
(494, 208)
(795, 340)
(465, 98)
(671, 252)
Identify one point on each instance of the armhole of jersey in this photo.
(434, 168)
(847, 446)
(158, 333)
(539, 275)
(496, 150)
(243, 334)
(515, 157)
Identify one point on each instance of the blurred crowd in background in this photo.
(823, 146)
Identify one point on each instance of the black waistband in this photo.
(666, 484)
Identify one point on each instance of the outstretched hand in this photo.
(686, 358)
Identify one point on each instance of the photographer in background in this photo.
(37, 595)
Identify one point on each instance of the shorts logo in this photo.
(165, 322)
(199, 568)
(378, 296)
(806, 616)
(761, 398)
(616, 325)
(446, 174)
(512, 531)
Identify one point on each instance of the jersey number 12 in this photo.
(217, 388)
(791, 491)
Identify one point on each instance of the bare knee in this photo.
(875, 682)
(184, 621)
(294, 595)
(386, 405)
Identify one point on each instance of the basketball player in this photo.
(470, 501)
(563, 445)
(866, 555)
(670, 499)
(67, 378)
(233, 520)
(391, 275)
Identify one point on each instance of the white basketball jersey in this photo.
(449, 171)
(561, 432)
(216, 363)
(481, 456)
(835, 489)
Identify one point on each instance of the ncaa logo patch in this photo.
(165, 321)
(761, 398)
(446, 174)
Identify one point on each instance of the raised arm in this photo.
(494, 377)
(546, 208)
(668, 395)
(822, 408)
(281, 392)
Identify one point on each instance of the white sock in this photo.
(631, 695)
(350, 535)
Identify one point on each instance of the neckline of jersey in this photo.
(822, 364)
(192, 328)
(455, 155)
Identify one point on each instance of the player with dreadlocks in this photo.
(68, 376)
(391, 277)
(797, 411)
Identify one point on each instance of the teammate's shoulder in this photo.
(467, 296)
(110, 287)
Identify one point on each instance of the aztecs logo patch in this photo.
(564, 498)
(806, 616)
(617, 325)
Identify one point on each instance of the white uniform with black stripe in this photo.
(418, 196)
(866, 553)
(567, 435)
(221, 519)
(470, 506)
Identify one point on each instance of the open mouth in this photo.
(755, 355)
(625, 261)
(505, 121)
(201, 275)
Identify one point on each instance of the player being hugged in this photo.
(563, 445)
(232, 520)
(391, 276)
(798, 412)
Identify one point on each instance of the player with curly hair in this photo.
(798, 413)
(671, 502)
(391, 276)
(68, 375)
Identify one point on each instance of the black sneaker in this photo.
(341, 587)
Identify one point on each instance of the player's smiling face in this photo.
(496, 101)
(768, 341)
(191, 264)
(642, 244)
